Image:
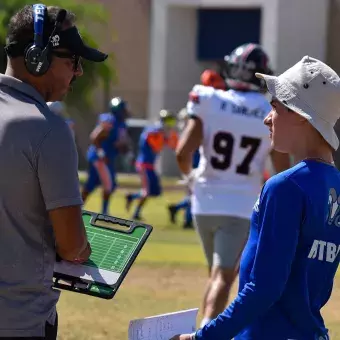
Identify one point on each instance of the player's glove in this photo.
(189, 179)
(101, 153)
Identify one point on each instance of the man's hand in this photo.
(102, 156)
(84, 254)
(182, 337)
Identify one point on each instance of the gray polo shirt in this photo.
(38, 173)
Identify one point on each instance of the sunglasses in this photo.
(67, 55)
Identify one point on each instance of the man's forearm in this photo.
(184, 163)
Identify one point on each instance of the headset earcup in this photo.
(37, 62)
(46, 56)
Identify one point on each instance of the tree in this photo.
(95, 74)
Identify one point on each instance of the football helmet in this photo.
(118, 107)
(241, 65)
(167, 118)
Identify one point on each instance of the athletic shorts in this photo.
(100, 174)
(223, 238)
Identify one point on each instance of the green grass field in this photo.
(168, 275)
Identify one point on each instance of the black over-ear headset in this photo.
(38, 55)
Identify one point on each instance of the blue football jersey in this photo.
(290, 260)
(108, 144)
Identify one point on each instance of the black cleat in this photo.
(128, 201)
(188, 225)
(172, 213)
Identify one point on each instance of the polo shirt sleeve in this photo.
(57, 168)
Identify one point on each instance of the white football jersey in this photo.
(235, 146)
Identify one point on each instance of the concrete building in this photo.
(187, 35)
(127, 36)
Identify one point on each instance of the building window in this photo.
(222, 30)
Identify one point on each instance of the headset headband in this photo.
(38, 17)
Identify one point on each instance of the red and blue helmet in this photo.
(240, 66)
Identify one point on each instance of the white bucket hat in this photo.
(311, 89)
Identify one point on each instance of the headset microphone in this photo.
(57, 26)
(60, 17)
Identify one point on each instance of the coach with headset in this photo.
(40, 202)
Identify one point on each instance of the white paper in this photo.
(163, 327)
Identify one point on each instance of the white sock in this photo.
(204, 322)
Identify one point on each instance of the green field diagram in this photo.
(110, 250)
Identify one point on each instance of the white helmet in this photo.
(56, 107)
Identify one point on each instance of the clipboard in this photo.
(115, 245)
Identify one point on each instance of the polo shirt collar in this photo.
(22, 87)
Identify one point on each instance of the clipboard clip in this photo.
(114, 221)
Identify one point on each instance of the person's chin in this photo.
(61, 97)
(69, 89)
(64, 94)
(279, 148)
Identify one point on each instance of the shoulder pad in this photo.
(200, 92)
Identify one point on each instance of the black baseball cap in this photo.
(72, 41)
(69, 39)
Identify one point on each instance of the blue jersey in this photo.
(290, 260)
(150, 144)
(108, 144)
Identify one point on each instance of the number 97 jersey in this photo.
(233, 152)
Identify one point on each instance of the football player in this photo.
(234, 146)
(208, 78)
(151, 142)
(107, 139)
